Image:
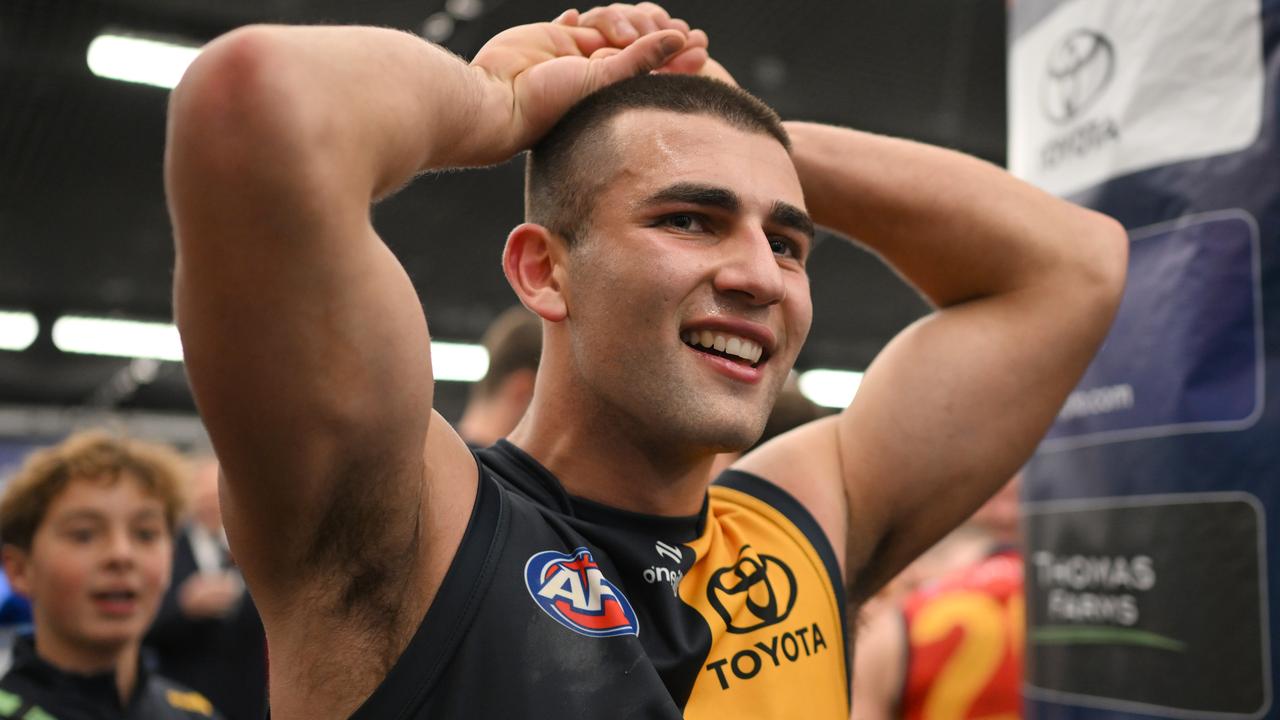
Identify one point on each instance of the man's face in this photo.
(698, 238)
(97, 567)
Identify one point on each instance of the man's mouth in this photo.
(738, 349)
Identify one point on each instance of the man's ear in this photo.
(534, 263)
(17, 567)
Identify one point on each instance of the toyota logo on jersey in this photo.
(572, 590)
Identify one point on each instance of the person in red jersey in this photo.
(950, 645)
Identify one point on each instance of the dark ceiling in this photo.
(83, 226)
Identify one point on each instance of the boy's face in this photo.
(97, 568)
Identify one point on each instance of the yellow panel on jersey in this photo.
(776, 618)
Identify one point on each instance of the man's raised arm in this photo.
(305, 343)
(1026, 287)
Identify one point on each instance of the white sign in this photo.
(1102, 88)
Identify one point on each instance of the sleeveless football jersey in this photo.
(964, 644)
(558, 607)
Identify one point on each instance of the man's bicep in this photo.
(302, 361)
(949, 411)
(304, 344)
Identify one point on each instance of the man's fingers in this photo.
(605, 52)
(612, 22)
(587, 40)
(568, 17)
(688, 62)
(659, 17)
(696, 38)
(648, 53)
(642, 21)
(622, 24)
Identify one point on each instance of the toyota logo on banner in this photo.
(1077, 72)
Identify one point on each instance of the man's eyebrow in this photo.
(782, 213)
(696, 194)
(789, 215)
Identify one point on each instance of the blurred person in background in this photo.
(207, 633)
(498, 401)
(87, 530)
(945, 639)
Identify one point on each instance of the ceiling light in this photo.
(458, 362)
(830, 388)
(438, 28)
(17, 330)
(464, 9)
(117, 338)
(139, 60)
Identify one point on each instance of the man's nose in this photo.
(750, 269)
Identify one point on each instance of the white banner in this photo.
(1102, 88)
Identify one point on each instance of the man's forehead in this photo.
(658, 148)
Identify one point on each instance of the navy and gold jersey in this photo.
(558, 607)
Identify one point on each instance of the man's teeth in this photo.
(748, 350)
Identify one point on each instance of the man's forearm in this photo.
(957, 227)
(353, 109)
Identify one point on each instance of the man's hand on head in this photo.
(618, 22)
(544, 68)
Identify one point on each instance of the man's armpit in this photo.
(363, 556)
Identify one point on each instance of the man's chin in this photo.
(733, 437)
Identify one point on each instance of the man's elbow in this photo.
(1107, 261)
(232, 102)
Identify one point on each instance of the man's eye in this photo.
(80, 535)
(685, 221)
(782, 246)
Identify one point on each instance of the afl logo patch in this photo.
(572, 590)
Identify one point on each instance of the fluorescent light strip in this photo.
(139, 60)
(17, 330)
(117, 338)
(830, 388)
(458, 362)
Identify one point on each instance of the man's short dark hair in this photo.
(563, 171)
(514, 342)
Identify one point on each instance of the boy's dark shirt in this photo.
(33, 689)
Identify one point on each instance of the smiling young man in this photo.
(87, 527)
(584, 568)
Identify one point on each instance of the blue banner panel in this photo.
(1153, 504)
(1185, 352)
